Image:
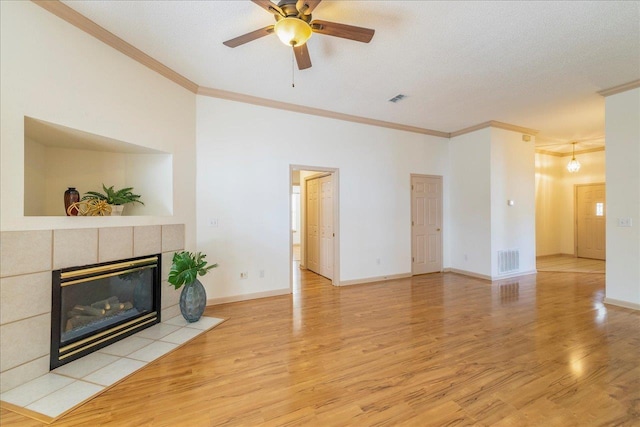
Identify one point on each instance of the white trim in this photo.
(467, 273)
(620, 88)
(494, 124)
(246, 297)
(298, 108)
(490, 278)
(620, 303)
(512, 275)
(375, 279)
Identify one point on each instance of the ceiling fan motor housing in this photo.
(290, 10)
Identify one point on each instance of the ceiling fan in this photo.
(294, 27)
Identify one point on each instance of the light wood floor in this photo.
(569, 263)
(434, 350)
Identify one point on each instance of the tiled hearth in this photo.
(66, 387)
(26, 261)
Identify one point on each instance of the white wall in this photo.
(244, 155)
(35, 177)
(512, 178)
(49, 171)
(52, 71)
(548, 201)
(488, 167)
(622, 129)
(470, 200)
(555, 199)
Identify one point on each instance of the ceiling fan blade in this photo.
(305, 7)
(246, 38)
(269, 7)
(302, 57)
(341, 30)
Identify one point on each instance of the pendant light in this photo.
(574, 165)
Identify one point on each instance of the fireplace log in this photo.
(106, 304)
(79, 321)
(119, 308)
(86, 310)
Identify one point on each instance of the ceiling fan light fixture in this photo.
(293, 31)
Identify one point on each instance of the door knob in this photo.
(437, 229)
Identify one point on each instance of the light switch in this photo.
(625, 222)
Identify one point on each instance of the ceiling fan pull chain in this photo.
(293, 70)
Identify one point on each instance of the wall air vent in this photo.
(398, 97)
(508, 261)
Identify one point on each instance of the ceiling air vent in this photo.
(398, 97)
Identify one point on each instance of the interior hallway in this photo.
(569, 263)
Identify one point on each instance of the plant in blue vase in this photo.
(186, 268)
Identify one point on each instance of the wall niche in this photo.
(57, 157)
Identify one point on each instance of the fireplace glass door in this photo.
(96, 305)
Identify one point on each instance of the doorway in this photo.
(319, 225)
(426, 224)
(590, 221)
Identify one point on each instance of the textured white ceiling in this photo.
(533, 64)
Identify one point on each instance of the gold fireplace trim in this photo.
(103, 276)
(110, 267)
(125, 327)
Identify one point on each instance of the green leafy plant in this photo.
(186, 267)
(114, 197)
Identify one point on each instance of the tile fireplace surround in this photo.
(26, 261)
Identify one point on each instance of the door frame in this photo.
(335, 172)
(411, 254)
(575, 213)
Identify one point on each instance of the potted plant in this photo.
(186, 267)
(116, 198)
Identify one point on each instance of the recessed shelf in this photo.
(57, 157)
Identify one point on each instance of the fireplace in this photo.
(96, 305)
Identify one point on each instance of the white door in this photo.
(426, 224)
(312, 243)
(319, 217)
(325, 221)
(590, 221)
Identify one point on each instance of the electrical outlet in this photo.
(213, 222)
(261, 274)
(378, 261)
(244, 275)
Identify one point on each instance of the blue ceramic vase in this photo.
(193, 300)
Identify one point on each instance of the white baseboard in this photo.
(620, 303)
(246, 297)
(512, 275)
(374, 279)
(490, 278)
(467, 273)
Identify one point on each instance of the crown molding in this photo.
(556, 154)
(620, 88)
(264, 102)
(85, 24)
(494, 124)
(80, 21)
